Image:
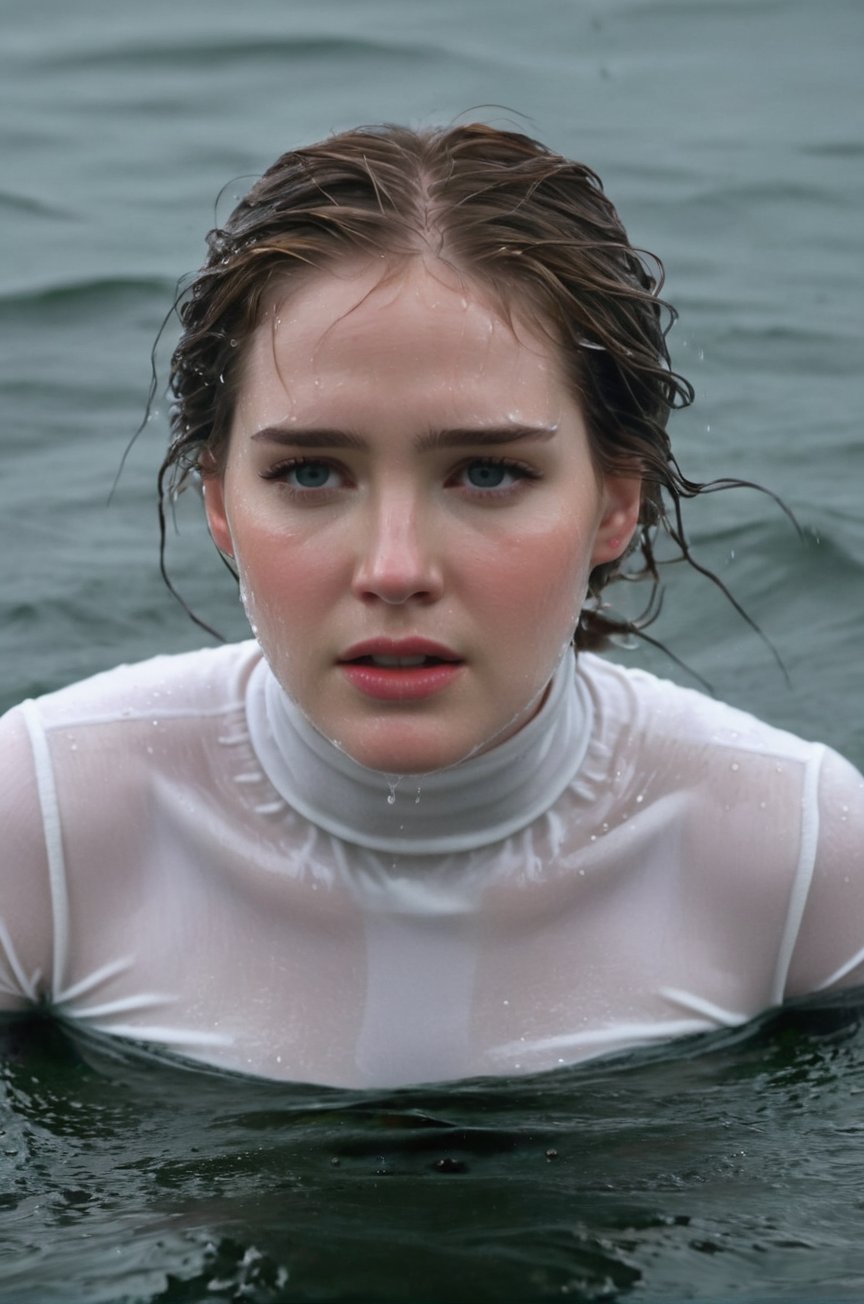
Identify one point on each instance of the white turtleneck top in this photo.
(185, 861)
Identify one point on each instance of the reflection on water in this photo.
(727, 1166)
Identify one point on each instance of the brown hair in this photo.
(529, 225)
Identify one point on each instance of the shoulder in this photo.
(741, 799)
(656, 713)
(113, 731)
(206, 682)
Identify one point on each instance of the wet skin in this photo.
(404, 466)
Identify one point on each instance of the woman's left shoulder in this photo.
(669, 718)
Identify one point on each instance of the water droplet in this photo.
(391, 798)
(640, 798)
(734, 766)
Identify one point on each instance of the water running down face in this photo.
(408, 477)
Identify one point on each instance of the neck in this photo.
(479, 801)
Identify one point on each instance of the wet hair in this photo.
(531, 228)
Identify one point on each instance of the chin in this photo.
(406, 756)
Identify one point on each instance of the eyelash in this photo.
(518, 470)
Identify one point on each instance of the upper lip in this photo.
(399, 647)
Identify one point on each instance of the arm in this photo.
(25, 898)
(829, 951)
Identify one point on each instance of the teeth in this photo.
(399, 661)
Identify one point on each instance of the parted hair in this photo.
(527, 225)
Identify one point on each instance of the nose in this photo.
(398, 559)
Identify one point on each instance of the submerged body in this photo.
(423, 382)
(191, 864)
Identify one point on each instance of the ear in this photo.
(622, 501)
(213, 486)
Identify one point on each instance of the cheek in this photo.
(539, 579)
(284, 578)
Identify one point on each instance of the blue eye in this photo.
(311, 475)
(487, 475)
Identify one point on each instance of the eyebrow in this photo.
(456, 437)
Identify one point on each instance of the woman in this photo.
(406, 835)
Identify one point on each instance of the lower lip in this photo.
(400, 683)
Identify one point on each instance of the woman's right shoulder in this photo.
(206, 681)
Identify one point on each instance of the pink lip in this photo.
(399, 647)
(399, 683)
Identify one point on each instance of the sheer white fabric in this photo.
(688, 868)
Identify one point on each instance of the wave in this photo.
(89, 293)
(30, 207)
(174, 53)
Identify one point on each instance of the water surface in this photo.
(729, 132)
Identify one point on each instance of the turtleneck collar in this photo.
(477, 802)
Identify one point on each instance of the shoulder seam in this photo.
(53, 835)
(803, 878)
(135, 715)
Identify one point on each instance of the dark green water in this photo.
(730, 134)
(726, 1169)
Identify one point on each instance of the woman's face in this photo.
(410, 498)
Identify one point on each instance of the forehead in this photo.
(412, 330)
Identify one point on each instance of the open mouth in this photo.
(414, 662)
(403, 674)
